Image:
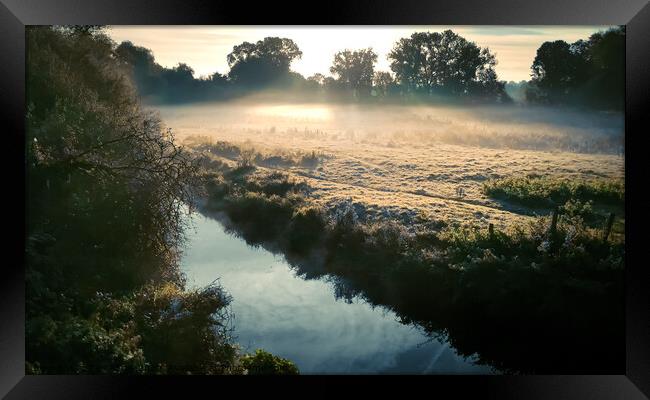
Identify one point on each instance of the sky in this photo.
(205, 48)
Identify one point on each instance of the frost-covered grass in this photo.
(414, 185)
(247, 155)
(403, 163)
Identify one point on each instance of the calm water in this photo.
(302, 320)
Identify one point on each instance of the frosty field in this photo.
(413, 162)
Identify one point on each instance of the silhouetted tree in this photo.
(555, 71)
(146, 73)
(383, 83)
(87, 30)
(587, 72)
(314, 83)
(606, 86)
(168, 84)
(517, 90)
(181, 77)
(333, 86)
(445, 63)
(354, 70)
(317, 78)
(262, 63)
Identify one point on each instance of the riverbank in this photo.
(522, 299)
(105, 188)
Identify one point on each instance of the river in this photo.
(302, 320)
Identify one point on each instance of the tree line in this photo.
(587, 73)
(425, 65)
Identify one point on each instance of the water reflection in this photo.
(302, 320)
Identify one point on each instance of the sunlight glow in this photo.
(294, 111)
(205, 48)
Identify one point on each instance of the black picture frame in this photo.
(632, 383)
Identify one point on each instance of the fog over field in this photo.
(415, 201)
(394, 160)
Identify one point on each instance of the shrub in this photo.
(306, 229)
(75, 345)
(537, 191)
(275, 183)
(185, 332)
(264, 363)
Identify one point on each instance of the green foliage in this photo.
(264, 363)
(536, 191)
(306, 229)
(184, 332)
(106, 189)
(575, 246)
(581, 209)
(75, 345)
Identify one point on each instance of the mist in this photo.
(260, 120)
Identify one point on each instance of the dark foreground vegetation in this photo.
(106, 187)
(525, 300)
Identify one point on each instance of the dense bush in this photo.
(537, 191)
(306, 230)
(264, 363)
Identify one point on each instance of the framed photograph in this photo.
(350, 192)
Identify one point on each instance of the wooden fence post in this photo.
(553, 227)
(491, 230)
(608, 226)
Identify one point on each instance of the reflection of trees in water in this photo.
(510, 334)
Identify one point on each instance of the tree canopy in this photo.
(587, 72)
(384, 84)
(426, 65)
(433, 63)
(354, 70)
(263, 62)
